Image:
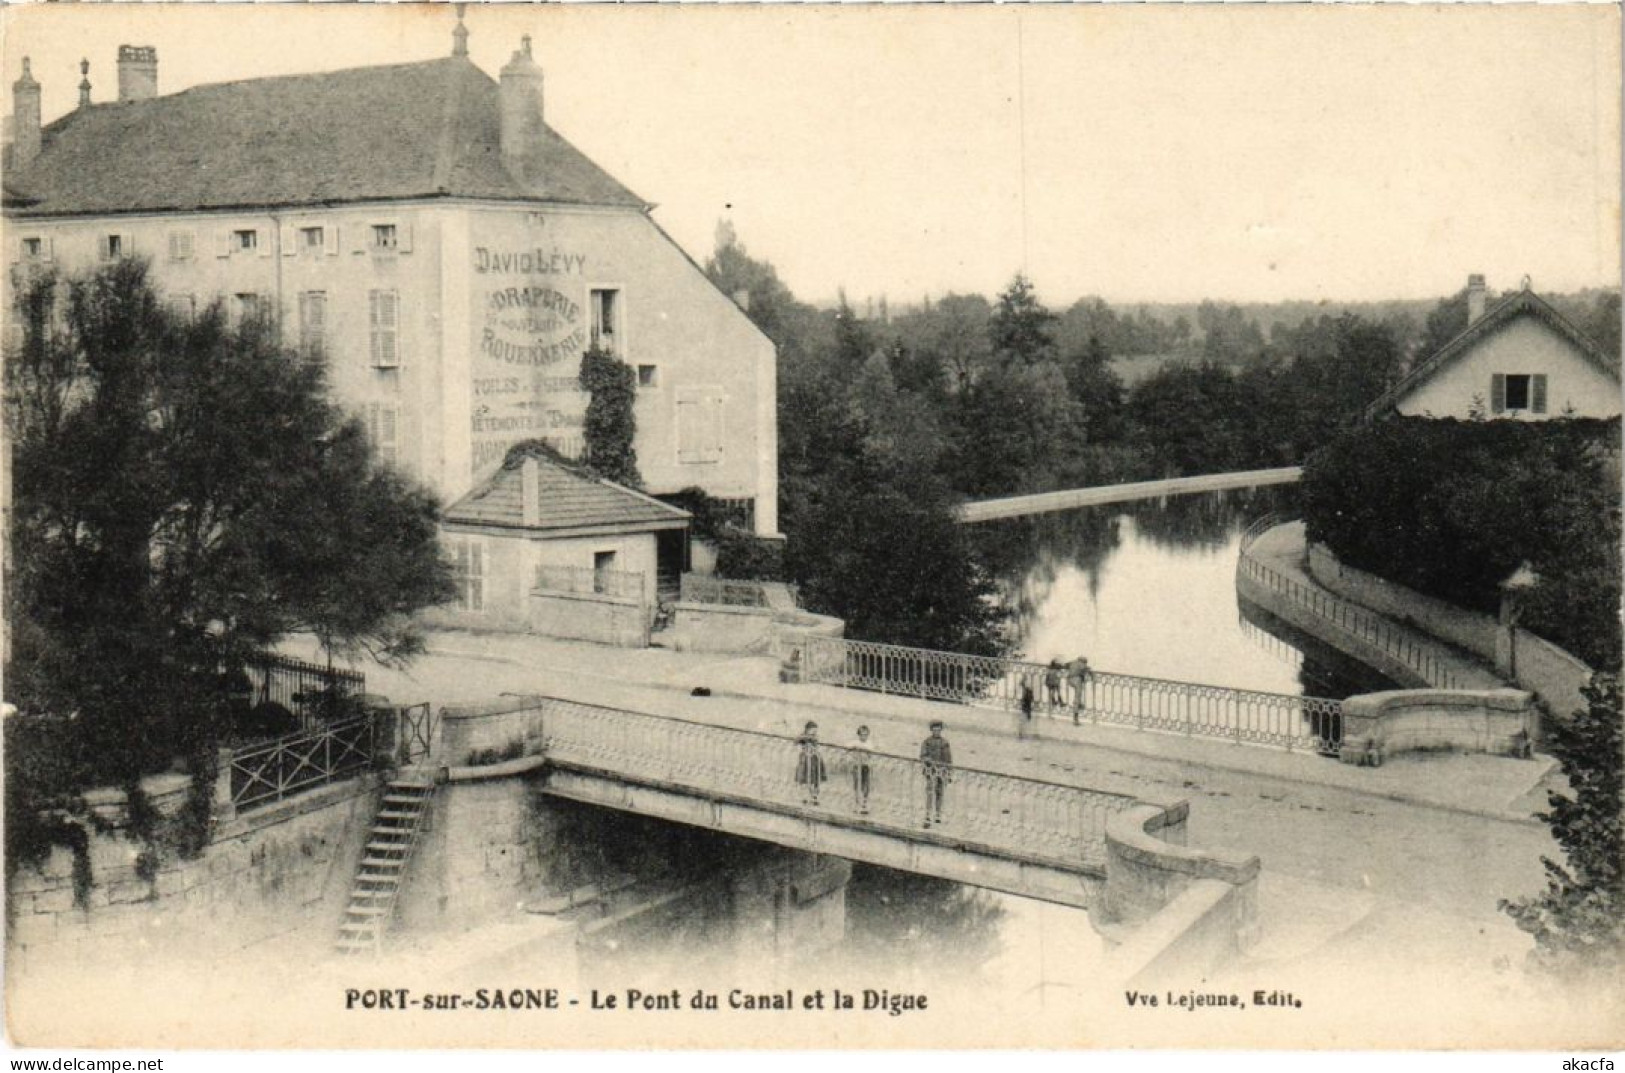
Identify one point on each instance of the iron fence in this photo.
(1007, 813)
(263, 774)
(1237, 715)
(587, 580)
(315, 693)
(1349, 617)
(705, 589)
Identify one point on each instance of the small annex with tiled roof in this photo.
(1518, 358)
(543, 544)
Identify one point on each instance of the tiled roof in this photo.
(409, 130)
(1520, 303)
(571, 499)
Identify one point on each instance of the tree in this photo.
(611, 425)
(1579, 921)
(1021, 329)
(184, 494)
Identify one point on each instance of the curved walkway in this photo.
(1282, 550)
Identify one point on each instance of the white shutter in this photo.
(290, 241)
(103, 253)
(262, 239)
(330, 238)
(222, 242)
(403, 236)
(383, 309)
(1498, 393)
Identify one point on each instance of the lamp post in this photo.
(1519, 582)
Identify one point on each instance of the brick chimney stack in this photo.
(521, 107)
(25, 117)
(1475, 297)
(137, 72)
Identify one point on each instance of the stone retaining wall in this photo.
(1552, 674)
(510, 727)
(1502, 722)
(573, 616)
(277, 873)
(1356, 647)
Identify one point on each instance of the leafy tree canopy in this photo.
(183, 494)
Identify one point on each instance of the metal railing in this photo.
(705, 589)
(1007, 813)
(1237, 715)
(317, 694)
(1345, 615)
(587, 580)
(263, 774)
(415, 732)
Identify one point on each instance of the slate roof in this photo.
(426, 129)
(1518, 304)
(571, 499)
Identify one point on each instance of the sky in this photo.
(1135, 152)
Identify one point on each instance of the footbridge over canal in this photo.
(1065, 844)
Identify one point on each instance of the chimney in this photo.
(1475, 297)
(137, 73)
(84, 83)
(530, 485)
(521, 107)
(742, 299)
(459, 36)
(25, 123)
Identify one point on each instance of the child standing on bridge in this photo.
(1052, 683)
(809, 765)
(860, 751)
(936, 763)
(1077, 676)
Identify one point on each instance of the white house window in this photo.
(183, 305)
(468, 572)
(312, 321)
(1518, 391)
(248, 239)
(699, 425)
(606, 313)
(385, 237)
(180, 245)
(33, 249)
(312, 239)
(383, 432)
(384, 316)
(648, 376)
(112, 247)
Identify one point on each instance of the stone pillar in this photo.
(788, 906)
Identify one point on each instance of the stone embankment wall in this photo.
(1546, 670)
(279, 873)
(1502, 722)
(604, 619)
(1174, 912)
(756, 630)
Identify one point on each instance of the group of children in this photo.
(936, 767)
(1076, 675)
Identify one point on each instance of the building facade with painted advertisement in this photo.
(421, 229)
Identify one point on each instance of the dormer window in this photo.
(385, 237)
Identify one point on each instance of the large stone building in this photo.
(423, 228)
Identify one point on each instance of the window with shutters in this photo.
(312, 322)
(112, 247)
(605, 304)
(247, 239)
(384, 316)
(312, 239)
(33, 249)
(1513, 392)
(385, 237)
(183, 305)
(180, 245)
(250, 306)
(699, 425)
(383, 423)
(468, 572)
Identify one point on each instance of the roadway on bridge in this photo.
(1408, 859)
(984, 510)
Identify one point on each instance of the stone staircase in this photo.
(383, 865)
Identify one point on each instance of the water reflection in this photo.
(1148, 588)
